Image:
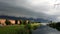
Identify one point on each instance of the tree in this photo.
(21, 22)
(28, 26)
(7, 22)
(25, 22)
(55, 25)
(16, 21)
(58, 24)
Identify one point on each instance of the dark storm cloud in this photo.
(26, 8)
(18, 11)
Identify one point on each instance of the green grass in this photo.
(15, 29)
(35, 25)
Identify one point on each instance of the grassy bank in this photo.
(35, 25)
(16, 29)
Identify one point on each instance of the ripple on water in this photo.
(45, 30)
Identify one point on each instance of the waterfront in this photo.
(45, 30)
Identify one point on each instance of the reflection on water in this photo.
(45, 30)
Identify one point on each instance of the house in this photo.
(12, 21)
(2, 21)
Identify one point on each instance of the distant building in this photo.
(12, 21)
(2, 21)
(18, 22)
(27, 21)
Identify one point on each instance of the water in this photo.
(45, 30)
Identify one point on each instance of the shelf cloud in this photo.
(31, 8)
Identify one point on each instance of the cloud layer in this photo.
(31, 8)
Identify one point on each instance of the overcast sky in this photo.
(46, 9)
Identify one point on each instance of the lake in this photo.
(45, 30)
